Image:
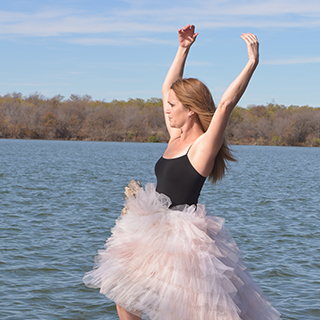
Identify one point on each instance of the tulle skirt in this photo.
(175, 264)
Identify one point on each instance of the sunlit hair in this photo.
(195, 95)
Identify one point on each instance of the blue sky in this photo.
(122, 49)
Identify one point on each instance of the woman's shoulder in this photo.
(201, 156)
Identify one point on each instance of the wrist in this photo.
(183, 50)
(253, 62)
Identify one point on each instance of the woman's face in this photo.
(176, 112)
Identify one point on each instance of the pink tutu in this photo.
(176, 264)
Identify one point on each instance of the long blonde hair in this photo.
(194, 95)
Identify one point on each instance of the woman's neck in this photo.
(190, 132)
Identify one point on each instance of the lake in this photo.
(59, 199)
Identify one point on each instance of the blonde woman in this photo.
(166, 257)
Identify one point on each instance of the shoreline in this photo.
(165, 142)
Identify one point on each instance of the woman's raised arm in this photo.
(233, 93)
(209, 144)
(187, 37)
(236, 89)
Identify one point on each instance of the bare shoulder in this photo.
(202, 156)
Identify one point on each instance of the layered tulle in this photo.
(175, 264)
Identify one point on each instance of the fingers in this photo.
(249, 38)
(188, 32)
(252, 46)
(188, 28)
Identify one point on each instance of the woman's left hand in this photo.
(252, 46)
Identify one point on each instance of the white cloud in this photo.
(267, 8)
(198, 63)
(143, 19)
(54, 24)
(25, 84)
(301, 60)
(116, 41)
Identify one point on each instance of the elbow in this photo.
(165, 90)
(227, 106)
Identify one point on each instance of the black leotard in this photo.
(179, 180)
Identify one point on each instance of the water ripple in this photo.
(59, 199)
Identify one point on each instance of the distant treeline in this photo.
(276, 125)
(81, 118)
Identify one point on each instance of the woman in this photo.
(166, 257)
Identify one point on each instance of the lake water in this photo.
(59, 199)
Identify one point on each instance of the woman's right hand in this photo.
(187, 36)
